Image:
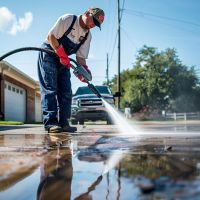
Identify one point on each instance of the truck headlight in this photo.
(74, 101)
(110, 101)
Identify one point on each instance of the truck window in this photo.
(86, 90)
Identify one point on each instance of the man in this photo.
(70, 35)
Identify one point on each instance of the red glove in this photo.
(64, 59)
(81, 77)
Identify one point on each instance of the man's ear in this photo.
(87, 13)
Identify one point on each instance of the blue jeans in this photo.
(55, 87)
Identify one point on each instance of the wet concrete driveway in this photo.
(161, 162)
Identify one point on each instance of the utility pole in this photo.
(107, 74)
(119, 60)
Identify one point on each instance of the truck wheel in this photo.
(74, 121)
(81, 122)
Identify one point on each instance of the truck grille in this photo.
(91, 102)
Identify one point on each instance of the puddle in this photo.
(32, 167)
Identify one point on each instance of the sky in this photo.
(156, 23)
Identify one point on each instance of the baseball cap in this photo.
(98, 16)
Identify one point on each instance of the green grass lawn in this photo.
(11, 123)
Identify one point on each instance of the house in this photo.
(19, 95)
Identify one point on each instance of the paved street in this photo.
(157, 161)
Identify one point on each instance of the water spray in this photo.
(77, 68)
(125, 129)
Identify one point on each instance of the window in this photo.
(5, 85)
(13, 89)
(86, 90)
(9, 87)
(21, 92)
(17, 90)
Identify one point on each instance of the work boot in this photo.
(68, 128)
(55, 129)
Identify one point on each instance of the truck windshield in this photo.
(86, 90)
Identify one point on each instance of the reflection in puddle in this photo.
(75, 171)
(114, 159)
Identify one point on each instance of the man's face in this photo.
(89, 20)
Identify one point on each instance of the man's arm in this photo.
(53, 41)
(80, 60)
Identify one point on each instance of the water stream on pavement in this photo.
(125, 129)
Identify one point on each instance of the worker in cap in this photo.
(97, 15)
(69, 35)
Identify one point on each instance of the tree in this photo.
(158, 80)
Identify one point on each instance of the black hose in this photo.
(49, 52)
(27, 49)
(32, 49)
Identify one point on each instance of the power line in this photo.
(122, 10)
(109, 19)
(123, 4)
(128, 37)
(113, 49)
(161, 17)
(171, 25)
(111, 32)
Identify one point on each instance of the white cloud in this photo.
(22, 24)
(6, 18)
(10, 24)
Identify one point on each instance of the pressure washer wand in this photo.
(91, 86)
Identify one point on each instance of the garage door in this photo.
(15, 103)
(38, 112)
